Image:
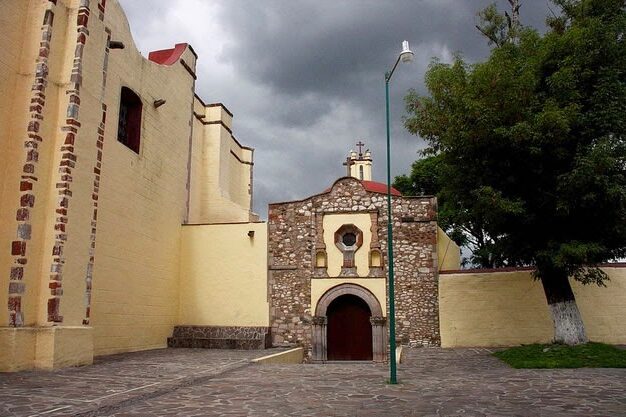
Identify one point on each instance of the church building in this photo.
(105, 156)
(328, 268)
(126, 223)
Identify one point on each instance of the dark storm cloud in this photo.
(334, 47)
(305, 79)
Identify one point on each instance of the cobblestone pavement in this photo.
(114, 381)
(433, 382)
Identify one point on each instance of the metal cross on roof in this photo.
(360, 145)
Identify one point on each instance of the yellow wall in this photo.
(141, 197)
(604, 309)
(17, 35)
(509, 308)
(58, 347)
(376, 286)
(44, 347)
(448, 252)
(142, 200)
(223, 275)
(17, 348)
(331, 223)
(221, 178)
(22, 31)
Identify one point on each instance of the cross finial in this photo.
(360, 145)
(348, 164)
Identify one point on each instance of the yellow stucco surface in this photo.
(58, 347)
(509, 308)
(448, 252)
(221, 179)
(223, 275)
(331, 223)
(291, 356)
(142, 201)
(319, 286)
(45, 347)
(604, 309)
(129, 252)
(17, 348)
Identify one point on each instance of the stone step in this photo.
(205, 343)
(221, 332)
(220, 337)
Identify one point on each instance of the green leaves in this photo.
(527, 150)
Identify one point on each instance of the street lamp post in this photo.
(405, 56)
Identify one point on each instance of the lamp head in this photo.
(406, 55)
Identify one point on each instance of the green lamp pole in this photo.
(405, 56)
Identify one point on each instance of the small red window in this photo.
(129, 124)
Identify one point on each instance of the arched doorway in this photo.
(349, 331)
(340, 324)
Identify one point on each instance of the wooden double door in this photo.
(349, 330)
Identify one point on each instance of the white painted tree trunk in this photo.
(568, 323)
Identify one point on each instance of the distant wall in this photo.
(448, 252)
(221, 168)
(500, 308)
(223, 275)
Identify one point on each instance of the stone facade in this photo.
(295, 240)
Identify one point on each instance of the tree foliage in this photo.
(530, 145)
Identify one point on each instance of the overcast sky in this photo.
(305, 79)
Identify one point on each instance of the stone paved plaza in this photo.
(434, 382)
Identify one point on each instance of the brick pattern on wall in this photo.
(294, 229)
(67, 164)
(29, 178)
(97, 170)
(101, 8)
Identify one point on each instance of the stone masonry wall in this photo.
(294, 229)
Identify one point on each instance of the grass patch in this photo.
(589, 355)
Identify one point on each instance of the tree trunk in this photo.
(568, 324)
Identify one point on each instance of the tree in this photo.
(428, 176)
(533, 141)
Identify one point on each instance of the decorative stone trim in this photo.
(29, 178)
(374, 244)
(344, 289)
(67, 164)
(97, 168)
(320, 351)
(319, 321)
(282, 267)
(379, 338)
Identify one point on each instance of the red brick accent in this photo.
(18, 248)
(17, 287)
(17, 273)
(53, 310)
(22, 214)
(27, 200)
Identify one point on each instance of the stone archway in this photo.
(320, 321)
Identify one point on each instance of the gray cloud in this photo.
(305, 79)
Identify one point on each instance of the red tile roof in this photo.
(168, 56)
(379, 187)
(375, 187)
